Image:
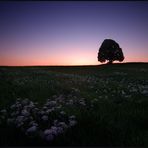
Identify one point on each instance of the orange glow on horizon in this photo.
(73, 57)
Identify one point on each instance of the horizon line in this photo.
(68, 65)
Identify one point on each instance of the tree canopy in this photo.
(110, 51)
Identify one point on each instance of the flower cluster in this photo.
(46, 122)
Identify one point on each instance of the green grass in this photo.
(118, 118)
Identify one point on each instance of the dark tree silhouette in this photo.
(110, 51)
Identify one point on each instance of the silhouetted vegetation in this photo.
(110, 51)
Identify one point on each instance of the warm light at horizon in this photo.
(64, 57)
(73, 60)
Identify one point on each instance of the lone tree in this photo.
(110, 51)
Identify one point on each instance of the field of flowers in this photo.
(104, 105)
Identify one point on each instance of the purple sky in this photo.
(70, 33)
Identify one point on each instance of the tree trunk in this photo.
(110, 62)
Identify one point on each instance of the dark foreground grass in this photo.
(119, 117)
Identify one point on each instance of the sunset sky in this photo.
(70, 33)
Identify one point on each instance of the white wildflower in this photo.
(54, 130)
(71, 102)
(25, 112)
(133, 89)
(44, 118)
(4, 111)
(62, 113)
(127, 96)
(76, 89)
(60, 98)
(123, 92)
(63, 125)
(52, 103)
(52, 109)
(72, 122)
(19, 119)
(72, 117)
(49, 111)
(31, 105)
(44, 108)
(47, 132)
(48, 135)
(55, 122)
(18, 99)
(47, 105)
(60, 130)
(145, 92)
(33, 123)
(31, 129)
(35, 110)
(82, 103)
(59, 107)
(120, 73)
(95, 100)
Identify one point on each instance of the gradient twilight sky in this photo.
(70, 33)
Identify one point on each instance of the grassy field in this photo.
(109, 102)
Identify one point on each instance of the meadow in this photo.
(103, 105)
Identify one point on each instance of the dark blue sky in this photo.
(69, 33)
